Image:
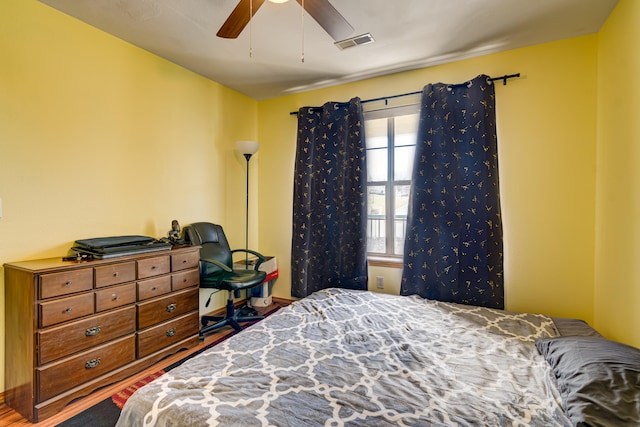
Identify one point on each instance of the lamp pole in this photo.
(248, 149)
(246, 217)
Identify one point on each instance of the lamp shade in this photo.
(247, 147)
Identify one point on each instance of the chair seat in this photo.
(234, 281)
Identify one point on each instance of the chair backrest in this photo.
(214, 245)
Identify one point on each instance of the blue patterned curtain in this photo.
(453, 246)
(329, 200)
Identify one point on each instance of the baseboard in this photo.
(241, 302)
(282, 300)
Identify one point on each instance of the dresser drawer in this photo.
(115, 296)
(184, 261)
(155, 266)
(62, 310)
(60, 376)
(152, 288)
(155, 311)
(166, 334)
(185, 279)
(64, 283)
(112, 274)
(60, 341)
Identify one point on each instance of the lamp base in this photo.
(247, 311)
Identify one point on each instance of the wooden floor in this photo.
(9, 417)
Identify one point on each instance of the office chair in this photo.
(216, 271)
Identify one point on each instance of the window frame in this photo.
(389, 258)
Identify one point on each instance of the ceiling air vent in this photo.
(355, 41)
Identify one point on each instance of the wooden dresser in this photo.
(72, 327)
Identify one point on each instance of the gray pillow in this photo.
(574, 327)
(599, 379)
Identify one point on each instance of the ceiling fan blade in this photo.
(238, 19)
(328, 17)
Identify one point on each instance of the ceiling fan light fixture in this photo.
(278, 1)
(322, 11)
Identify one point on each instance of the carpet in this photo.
(106, 413)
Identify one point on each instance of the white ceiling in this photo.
(408, 34)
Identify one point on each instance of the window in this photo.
(391, 141)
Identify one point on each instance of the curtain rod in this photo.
(385, 98)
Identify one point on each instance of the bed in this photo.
(356, 358)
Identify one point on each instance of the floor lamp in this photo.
(248, 149)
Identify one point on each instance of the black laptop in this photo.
(111, 247)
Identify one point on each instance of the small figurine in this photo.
(174, 233)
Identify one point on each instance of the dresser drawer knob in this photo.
(93, 331)
(68, 310)
(184, 261)
(171, 307)
(92, 363)
(171, 332)
(116, 274)
(68, 284)
(114, 297)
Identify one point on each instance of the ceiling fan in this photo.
(321, 10)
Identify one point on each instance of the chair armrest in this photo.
(261, 258)
(217, 263)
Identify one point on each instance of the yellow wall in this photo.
(99, 138)
(617, 278)
(547, 142)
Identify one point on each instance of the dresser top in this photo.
(49, 264)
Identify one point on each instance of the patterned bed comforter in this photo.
(353, 358)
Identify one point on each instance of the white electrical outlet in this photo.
(380, 282)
